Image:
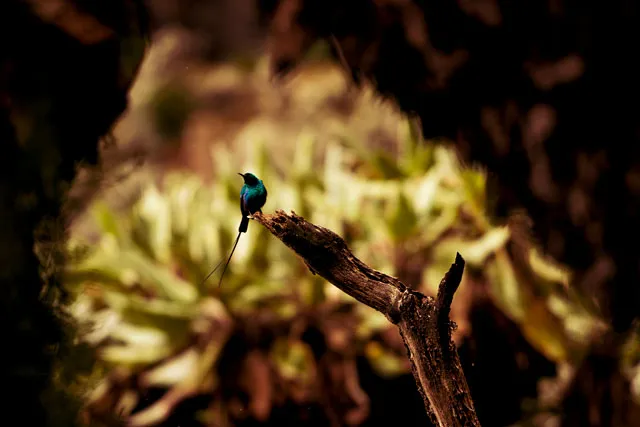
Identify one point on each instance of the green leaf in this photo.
(258, 293)
(184, 367)
(402, 220)
(198, 380)
(579, 323)
(157, 278)
(108, 222)
(173, 371)
(75, 279)
(505, 288)
(474, 184)
(424, 193)
(134, 355)
(182, 190)
(152, 220)
(152, 307)
(546, 269)
(476, 252)
(432, 228)
(139, 334)
(130, 267)
(545, 332)
(385, 166)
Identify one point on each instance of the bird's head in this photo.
(249, 179)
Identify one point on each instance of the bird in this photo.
(253, 196)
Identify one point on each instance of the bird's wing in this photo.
(243, 207)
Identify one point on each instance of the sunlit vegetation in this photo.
(275, 333)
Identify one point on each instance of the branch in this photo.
(423, 323)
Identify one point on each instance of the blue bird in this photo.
(253, 196)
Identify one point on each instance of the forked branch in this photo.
(423, 322)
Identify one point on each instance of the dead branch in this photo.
(423, 322)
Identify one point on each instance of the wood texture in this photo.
(422, 320)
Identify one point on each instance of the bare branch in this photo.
(423, 323)
(326, 254)
(448, 287)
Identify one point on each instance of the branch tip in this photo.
(459, 259)
(448, 287)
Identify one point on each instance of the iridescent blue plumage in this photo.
(253, 196)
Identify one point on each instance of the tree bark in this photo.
(422, 320)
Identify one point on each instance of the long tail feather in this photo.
(244, 224)
(212, 271)
(242, 229)
(229, 259)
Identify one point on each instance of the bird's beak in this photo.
(241, 174)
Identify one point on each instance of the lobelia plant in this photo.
(273, 334)
(135, 277)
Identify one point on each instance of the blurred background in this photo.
(179, 109)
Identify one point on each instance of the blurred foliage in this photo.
(340, 158)
(139, 274)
